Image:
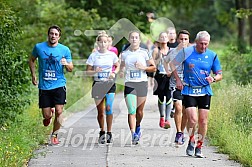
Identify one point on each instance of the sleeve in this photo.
(123, 56)
(68, 55)
(34, 51)
(179, 58)
(115, 60)
(90, 60)
(216, 67)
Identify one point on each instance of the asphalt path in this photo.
(79, 147)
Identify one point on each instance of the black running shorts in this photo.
(50, 98)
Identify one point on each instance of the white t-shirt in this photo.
(133, 74)
(103, 60)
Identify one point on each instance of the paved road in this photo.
(79, 147)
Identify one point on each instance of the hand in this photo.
(98, 69)
(168, 73)
(210, 79)
(121, 74)
(34, 80)
(179, 84)
(140, 66)
(63, 61)
(182, 45)
(112, 75)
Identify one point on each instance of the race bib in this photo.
(103, 75)
(134, 74)
(197, 91)
(49, 75)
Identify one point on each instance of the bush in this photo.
(239, 64)
(14, 74)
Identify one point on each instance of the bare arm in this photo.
(68, 65)
(90, 71)
(179, 83)
(155, 56)
(32, 64)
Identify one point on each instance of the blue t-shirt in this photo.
(198, 66)
(51, 71)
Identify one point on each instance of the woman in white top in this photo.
(99, 65)
(136, 62)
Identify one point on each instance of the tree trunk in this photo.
(250, 25)
(241, 43)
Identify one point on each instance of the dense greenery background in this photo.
(24, 23)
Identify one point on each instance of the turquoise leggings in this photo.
(109, 103)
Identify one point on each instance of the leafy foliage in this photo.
(240, 64)
(13, 78)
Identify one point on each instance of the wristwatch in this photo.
(214, 80)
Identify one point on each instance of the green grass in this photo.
(230, 124)
(22, 137)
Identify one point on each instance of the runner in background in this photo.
(172, 43)
(179, 118)
(161, 87)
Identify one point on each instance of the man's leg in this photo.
(178, 115)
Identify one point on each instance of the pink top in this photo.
(113, 49)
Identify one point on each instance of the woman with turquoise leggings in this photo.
(100, 65)
(135, 62)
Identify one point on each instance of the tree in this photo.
(241, 43)
(14, 78)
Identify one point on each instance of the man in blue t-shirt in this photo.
(198, 63)
(52, 58)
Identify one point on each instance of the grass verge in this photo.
(230, 123)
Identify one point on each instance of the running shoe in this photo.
(161, 122)
(135, 138)
(101, 139)
(138, 131)
(54, 139)
(46, 122)
(179, 138)
(167, 124)
(109, 137)
(190, 149)
(198, 153)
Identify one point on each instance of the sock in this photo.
(199, 144)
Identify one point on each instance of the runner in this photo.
(99, 65)
(52, 57)
(180, 120)
(172, 43)
(161, 87)
(198, 62)
(136, 63)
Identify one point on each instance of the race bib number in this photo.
(49, 75)
(197, 91)
(102, 75)
(134, 74)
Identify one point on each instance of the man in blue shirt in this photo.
(198, 62)
(52, 58)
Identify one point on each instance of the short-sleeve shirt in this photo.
(133, 74)
(171, 55)
(105, 61)
(51, 71)
(198, 66)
